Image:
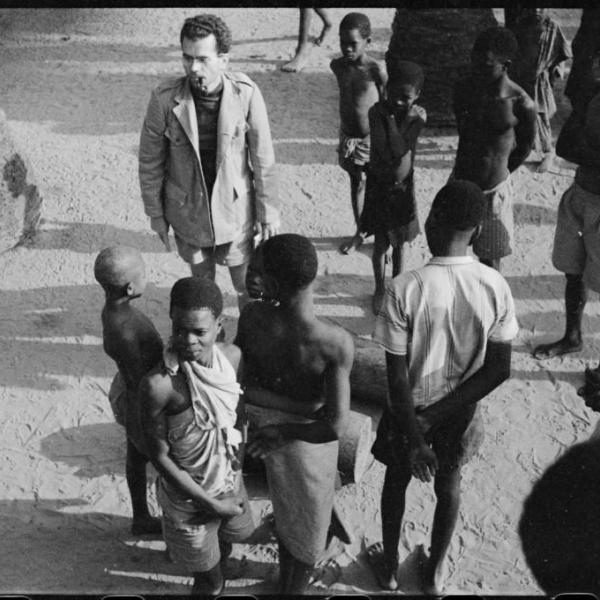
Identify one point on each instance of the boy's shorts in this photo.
(192, 535)
(231, 254)
(353, 152)
(577, 237)
(454, 443)
(497, 227)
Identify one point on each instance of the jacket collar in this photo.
(230, 116)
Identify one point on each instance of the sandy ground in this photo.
(75, 87)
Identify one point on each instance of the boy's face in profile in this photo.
(488, 66)
(401, 96)
(194, 333)
(352, 44)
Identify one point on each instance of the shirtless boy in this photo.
(361, 80)
(576, 249)
(297, 390)
(496, 122)
(192, 421)
(131, 340)
(446, 329)
(390, 205)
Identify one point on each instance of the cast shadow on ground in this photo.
(532, 214)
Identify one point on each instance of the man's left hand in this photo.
(266, 230)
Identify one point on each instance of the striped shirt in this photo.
(441, 317)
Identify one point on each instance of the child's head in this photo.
(195, 311)
(289, 263)
(355, 34)
(493, 52)
(560, 523)
(404, 84)
(120, 270)
(456, 214)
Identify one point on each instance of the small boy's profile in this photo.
(390, 212)
(132, 341)
(361, 80)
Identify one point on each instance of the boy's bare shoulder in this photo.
(157, 384)
(337, 64)
(232, 353)
(337, 343)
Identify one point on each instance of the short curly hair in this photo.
(499, 40)
(355, 20)
(197, 293)
(202, 26)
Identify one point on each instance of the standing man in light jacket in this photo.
(206, 160)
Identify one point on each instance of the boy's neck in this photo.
(119, 303)
(360, 60)
(300, 306)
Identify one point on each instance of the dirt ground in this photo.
(75, 87)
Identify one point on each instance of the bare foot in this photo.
(377, 301)
(299, 61)
(562, 346)
(431, 578)
(546, 163)
(384, 574)
(146, 525)
(351, 244)
(323, 34)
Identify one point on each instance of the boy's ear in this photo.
(475, 235)
(507, 63)
(130, 289)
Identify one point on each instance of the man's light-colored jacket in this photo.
(170, 170)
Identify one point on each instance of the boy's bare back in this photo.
(361, 84)
(287, 359)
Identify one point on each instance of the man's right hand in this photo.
(227, 506)
(160, 226)
(423, 462)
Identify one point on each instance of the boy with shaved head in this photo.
(192, 427)
(297, 390)
(496, 122)
(132, 341)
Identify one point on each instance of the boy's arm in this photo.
(154, 398)
(525, 111)
(423, 461)
(337, 404)
(494, 371)
(381, 78)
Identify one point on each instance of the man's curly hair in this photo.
(202, 26)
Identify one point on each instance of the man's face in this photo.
(202, 63)
(487, 66)
(194, 333)
(401, 96)
(352, 44)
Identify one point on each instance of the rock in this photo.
(20, 201)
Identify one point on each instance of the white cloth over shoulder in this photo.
(206, 447)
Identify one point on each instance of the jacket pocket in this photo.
(176, 135)
(174, 194)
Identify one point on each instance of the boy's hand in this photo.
(264, 441)
(161, 227)
(264, 231)
(423, 462)
(225, 506)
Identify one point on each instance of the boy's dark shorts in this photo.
(454, 443)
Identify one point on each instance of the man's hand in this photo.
(266, 230)
(161, 227)
(423, 462)
(226, 505)
(264, 441)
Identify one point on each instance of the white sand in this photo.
(75, 87)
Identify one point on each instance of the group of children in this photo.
(446, 329)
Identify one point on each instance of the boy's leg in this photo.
(209, 583)
(380, 247)
(294, 575)
(384, 559)
(143, 522)
(358, 183)
(447, 491)
(303, 48)
(575, 299)
(397, 257)
(322, 12)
